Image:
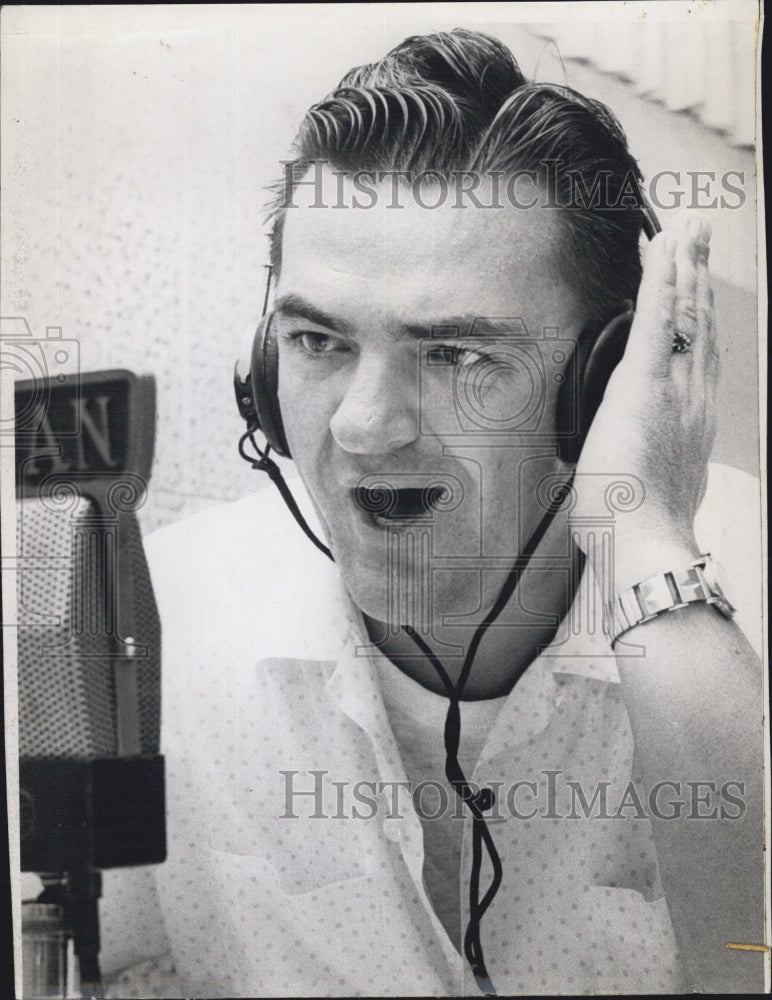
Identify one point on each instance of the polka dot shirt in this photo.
(296, 855)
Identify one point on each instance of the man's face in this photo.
(383, 380)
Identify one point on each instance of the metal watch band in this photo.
(664, 592)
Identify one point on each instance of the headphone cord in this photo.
(479, 802)
(265, 464)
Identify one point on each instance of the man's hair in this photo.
(457, 102)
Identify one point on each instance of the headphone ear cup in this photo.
(567, 411)
(264, 379)
(574, 415)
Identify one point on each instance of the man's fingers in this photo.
(687, 254)
(675, 302)
(651, 336)
(705, 348)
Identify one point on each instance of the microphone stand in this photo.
(76, 896)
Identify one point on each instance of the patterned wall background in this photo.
(137, 143)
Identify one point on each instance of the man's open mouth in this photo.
(386, 504)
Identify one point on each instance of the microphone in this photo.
(91, 775)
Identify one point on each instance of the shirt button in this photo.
(392, 828)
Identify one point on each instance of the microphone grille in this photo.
(68, 631)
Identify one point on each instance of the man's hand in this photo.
(693, 694)
(657, 418)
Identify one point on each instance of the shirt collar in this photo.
(579, 648)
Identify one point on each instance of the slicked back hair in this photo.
(456, 102)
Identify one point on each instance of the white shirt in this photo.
(267, 677)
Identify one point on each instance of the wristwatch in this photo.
(666, 592)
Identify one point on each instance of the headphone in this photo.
(580, 395)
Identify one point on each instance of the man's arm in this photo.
(696, 714)
(695, 699)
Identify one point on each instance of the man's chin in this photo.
(373, 601)
(398, 603)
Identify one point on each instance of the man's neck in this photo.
(525, 627)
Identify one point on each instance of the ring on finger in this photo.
(682, 343)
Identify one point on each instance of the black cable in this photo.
(479, 802)
(265, 464)
(519, 567)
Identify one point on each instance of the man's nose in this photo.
(379, 411)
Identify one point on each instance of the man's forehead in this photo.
(386, 265)
(371, 227)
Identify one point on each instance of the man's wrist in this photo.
(666, 591)
(633, 557)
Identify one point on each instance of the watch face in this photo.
(714, 575)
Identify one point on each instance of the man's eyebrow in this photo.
(467, 325)
(296, 307)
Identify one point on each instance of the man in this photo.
(447, 278)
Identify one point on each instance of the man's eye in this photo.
(318, 343)
(454, 355)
